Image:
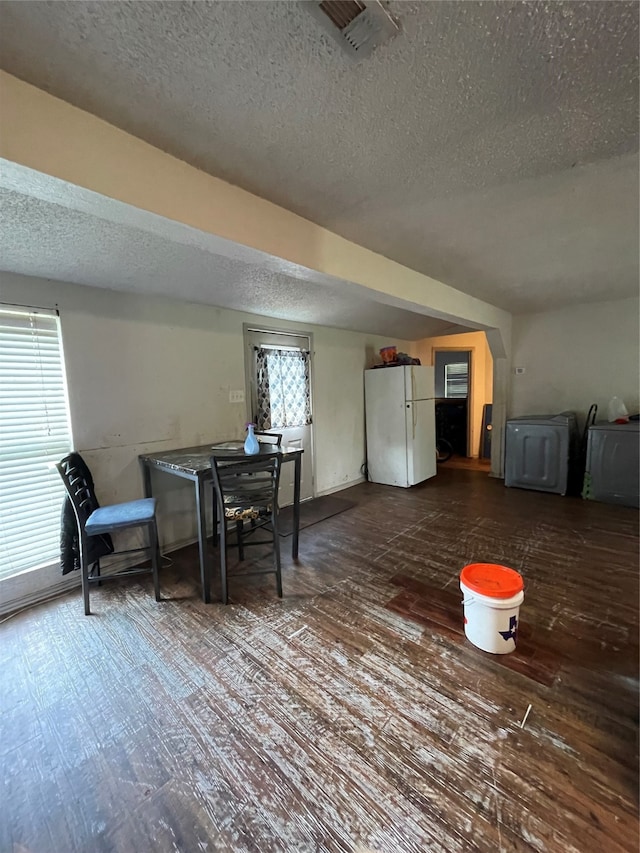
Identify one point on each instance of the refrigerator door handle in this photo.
(413, 385)
(414, 416)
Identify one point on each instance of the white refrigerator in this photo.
(400, 424)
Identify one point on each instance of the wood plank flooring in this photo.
(351, 715)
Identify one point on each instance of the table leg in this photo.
(146, 478)
(296, 505)
(205, 578)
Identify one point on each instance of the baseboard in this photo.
(72, 581)
(15, 605)
(341, 487)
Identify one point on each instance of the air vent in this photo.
(359, 27)
(342, 12)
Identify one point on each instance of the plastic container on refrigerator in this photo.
(539, 451)
(612, 472)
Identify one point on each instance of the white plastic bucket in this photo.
(491, 623)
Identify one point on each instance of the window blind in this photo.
(34, 433)
(456, 377)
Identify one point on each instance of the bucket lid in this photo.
(492, 580)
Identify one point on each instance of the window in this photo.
(34, 433)
(456, 380)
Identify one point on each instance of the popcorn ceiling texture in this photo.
(51, 241)
(489, 145)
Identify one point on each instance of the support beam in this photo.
(52, 138)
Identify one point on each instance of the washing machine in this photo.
(540, 451)
(612, 473)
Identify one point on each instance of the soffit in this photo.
(52, 241)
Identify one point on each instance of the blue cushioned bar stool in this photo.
(94, 520)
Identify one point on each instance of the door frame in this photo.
(248, 377)
(472, 354)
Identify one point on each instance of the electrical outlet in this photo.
(236, 396)
(518, 371)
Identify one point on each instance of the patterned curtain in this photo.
(264, 397)
(283, 388)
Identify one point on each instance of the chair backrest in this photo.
(79, 485)
(268, 437)
(248, 481)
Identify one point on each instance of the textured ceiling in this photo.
(489, 145)
(52, 241)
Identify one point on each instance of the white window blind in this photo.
(456, 380)
(34, 433)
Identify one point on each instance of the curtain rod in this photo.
(281, 348)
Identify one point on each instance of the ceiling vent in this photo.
(359, 27)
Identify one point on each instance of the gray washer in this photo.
(539, 450)
(613, 464)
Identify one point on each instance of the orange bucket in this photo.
(492, 596)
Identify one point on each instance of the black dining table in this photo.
(194, 463)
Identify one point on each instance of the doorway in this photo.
(278, 369)
(452, 369)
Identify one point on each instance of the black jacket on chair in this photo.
(99, 546)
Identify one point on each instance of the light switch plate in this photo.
(518, 371)
(236, 396)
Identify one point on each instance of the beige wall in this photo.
(576, 356)
(148, 373)
(481, 373)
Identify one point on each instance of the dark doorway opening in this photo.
(452, 384)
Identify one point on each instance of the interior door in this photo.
(279, 376)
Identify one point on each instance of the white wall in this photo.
(148, 373)
(576, 356)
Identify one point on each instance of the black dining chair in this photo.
(246, 489)
(94, 520)
(272, 438)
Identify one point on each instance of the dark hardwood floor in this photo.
(469, 463)
(351, 715)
